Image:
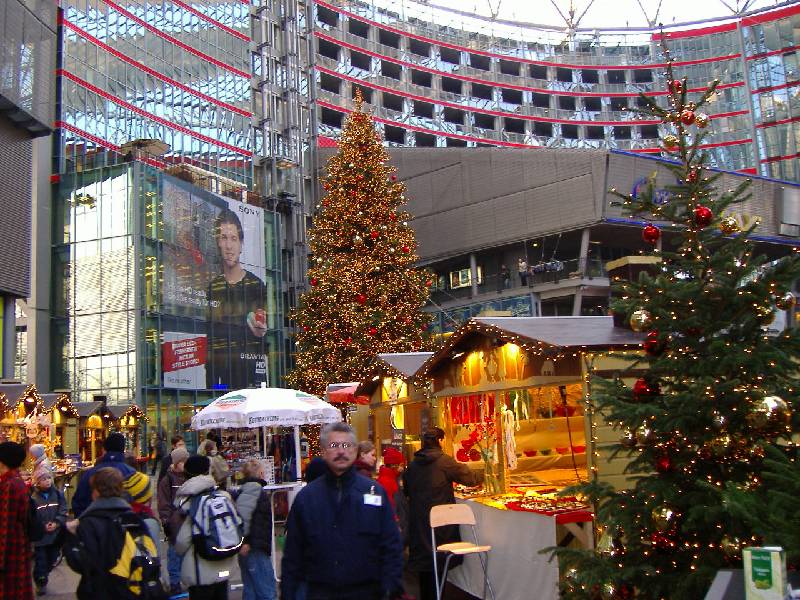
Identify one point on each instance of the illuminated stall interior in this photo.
(92, 430)
(400, 408)
(127, 419)
(64, 418)
(23, 420)
(510, 391)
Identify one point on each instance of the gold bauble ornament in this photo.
(731, 546)
(641, 320)
(720, 445)
(729, 225)
(701, 120)
(770, 411)
(664, 518)
(671, 142)
(765, 314)
(786, 301)
(645, 435)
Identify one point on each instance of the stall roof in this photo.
(557, 332)
(87, 409)
(50, 400)
(117, 411)
(405, 363)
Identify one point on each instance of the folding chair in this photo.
(457, 514)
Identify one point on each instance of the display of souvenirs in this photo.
(543, 501)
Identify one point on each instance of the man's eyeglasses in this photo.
(342, 445)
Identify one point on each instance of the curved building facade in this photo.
(439, 78)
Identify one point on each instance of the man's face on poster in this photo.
(229, 244)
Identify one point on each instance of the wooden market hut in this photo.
(92, 429)
(64, 417)
(22, 406)
(400, 410)
(531, 374)
(127, 419)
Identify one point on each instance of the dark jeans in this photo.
(44, 558)
(360, 592)
(214, 591)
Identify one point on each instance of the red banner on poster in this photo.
(183, 354)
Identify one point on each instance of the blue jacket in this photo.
(83, 493)
(335, 539)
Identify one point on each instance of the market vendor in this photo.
(428, 482)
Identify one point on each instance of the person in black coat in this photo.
(166, 462)
(428, 482)
(341, 535)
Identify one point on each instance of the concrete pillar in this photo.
(9, 336)
(583, 268)
(473, 275)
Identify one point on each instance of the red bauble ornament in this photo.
(374, 235)
(393, 177)
(326, 186)
(676, 86)
(703, 216)
(314, 281)
(306, 328)
(428, 282)
(664, 463)
(640, 389)
(347, 341)
(462, 455)
(393, 216)
(373, 331)
(353, 193)
(687, 117)
(361, 298)
(651, 344)
(651, 233)
(692, 175)
(406, 249)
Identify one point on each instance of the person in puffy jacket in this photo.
(206, 580)
(114, 456)
(254, 506)
(171, 517)
(51, 513)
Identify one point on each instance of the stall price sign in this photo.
(765, 573)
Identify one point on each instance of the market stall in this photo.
(511, 396)
(400, 410)
(128, 419)
(23, 420)
(64, 435)
(92, 430)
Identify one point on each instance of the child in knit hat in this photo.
(139, 493)
(51, 512)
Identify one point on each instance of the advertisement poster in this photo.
(183, 360)
(214, 273)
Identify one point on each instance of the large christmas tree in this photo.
(366, 297)
(707, 427)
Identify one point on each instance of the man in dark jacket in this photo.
(342, 538)
(171, 516)
(114, 456)
(254, 505)
(428, 482)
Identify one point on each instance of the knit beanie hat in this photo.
(392, 456)
(138, 487)
(196, 465)
(12, 454)
(179, 455)
(115, 442)
(37, 451)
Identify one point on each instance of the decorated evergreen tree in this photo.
(703, 426)
(366, 297)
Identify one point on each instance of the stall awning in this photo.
(345, 393)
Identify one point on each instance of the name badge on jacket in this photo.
(373, 499)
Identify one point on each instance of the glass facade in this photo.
(153, 70)
(436, 77)
(144, 311)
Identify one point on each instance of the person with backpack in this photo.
(211, 535)
(51, 515)
(171, 517)
(255, 507)
(114, 456)
(15, 550)
(111, 547)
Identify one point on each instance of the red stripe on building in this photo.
(773, 15)
(523, 88)
(703, 146)
(530, 61)
(176, 41)
(774, 88)
(775, 123)
(700, 31)
(205, 17)
(153, 72)
(148, 115)
(749, 171)
(772, 159)
(105, 143)
(785, 50)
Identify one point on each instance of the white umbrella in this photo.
(265, 407)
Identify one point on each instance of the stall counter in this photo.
(517, 536)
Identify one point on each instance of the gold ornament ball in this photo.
(731, 546)
(765, 314)
(671, 142)
(729, 225)
(641, 320)
(644, 435)
(720, 445)
(701, 120)
(664, 518)
(786, 301)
